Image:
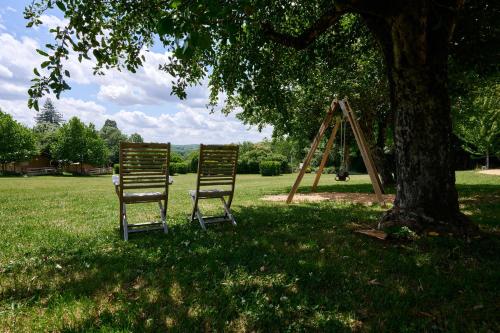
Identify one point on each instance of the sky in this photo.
(139, 102)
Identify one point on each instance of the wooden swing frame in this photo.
(332, 119)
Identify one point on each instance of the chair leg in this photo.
(200, 219)
(227, 211)
(163, 214)
(121, 217)
(195, 206)
(196, 212)
(125, 223)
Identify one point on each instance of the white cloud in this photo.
(17, 60)
(5, 72)
(52, 21)
(188, 126)
(189, 122)
(148, 86)
(19, 110)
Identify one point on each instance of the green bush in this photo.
(330, 170)
(116, 168)
(270, 168)
(284, 165)
(175, 157)
(192, 159)
(248, 166)
(178, 167)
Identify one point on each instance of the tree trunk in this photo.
(415, 48)
(487, 160)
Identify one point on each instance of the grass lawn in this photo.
(290, 268)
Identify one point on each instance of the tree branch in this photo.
(305, 39)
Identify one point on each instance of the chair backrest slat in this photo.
(144, 165)
(217, 165)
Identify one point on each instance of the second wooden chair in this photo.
(216, 180)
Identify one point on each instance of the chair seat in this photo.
(214, 193)
(143, 196)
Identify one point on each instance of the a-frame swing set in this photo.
(335, 118)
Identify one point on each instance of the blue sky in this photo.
(139, 102)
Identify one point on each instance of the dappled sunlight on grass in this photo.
(285, 267)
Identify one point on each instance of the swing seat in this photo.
(342, 175)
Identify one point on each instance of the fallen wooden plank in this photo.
(379, 234)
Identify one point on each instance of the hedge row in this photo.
(175, 167)
(270, 168)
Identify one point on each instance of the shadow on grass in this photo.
(296, 267)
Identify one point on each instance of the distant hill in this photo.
(185, 149)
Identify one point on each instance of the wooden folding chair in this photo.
(143, 167)
(216, 167)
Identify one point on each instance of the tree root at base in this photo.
(457, 225)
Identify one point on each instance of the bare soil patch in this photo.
(359, 198)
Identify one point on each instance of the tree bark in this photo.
(414, 43)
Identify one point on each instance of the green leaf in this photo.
(61, 5)
(200, 40)
(165, 26)
(36, 71)
(175, 3)
(97, 54)
(45, 54)
(45, 64)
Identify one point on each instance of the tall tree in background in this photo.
(78, 143)
(112, 136)
(477, 119)
(17, 142)
(475, 79)
(136, 137)
(242, 41)
(46, 135)
(49, 114)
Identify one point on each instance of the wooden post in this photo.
(365, 152)
(314, 146)
(363, 140)
(328, 147)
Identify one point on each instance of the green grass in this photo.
(290, 268)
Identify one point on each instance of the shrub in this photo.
(192, 159)
(175, 157)
(284, 165)
(178, 167)
(329, 170)
(248, 166)
(116, 168)
(270, 168)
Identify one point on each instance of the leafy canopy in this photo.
(231, 38)
(112, 135)
(17, 142)
(77, 142)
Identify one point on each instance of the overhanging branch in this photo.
(305, 39)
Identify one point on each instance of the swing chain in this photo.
(342, 173)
